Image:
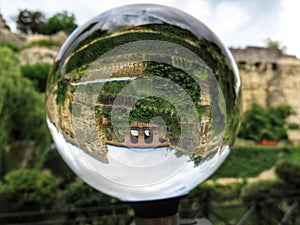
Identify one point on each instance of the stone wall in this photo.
(270, 78)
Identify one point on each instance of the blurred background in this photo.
(258, 183)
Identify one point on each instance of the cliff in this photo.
(31, 48)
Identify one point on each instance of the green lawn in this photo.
(251, 161)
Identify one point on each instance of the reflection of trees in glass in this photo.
(176, 75)
(94, 43)
(62, 88)
(212, 55)
(144, 110)
(103, 42)
(147, 109)
(217, 61)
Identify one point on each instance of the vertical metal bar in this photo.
(246, 216)
(288, 213)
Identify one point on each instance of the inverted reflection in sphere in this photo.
(143, 102)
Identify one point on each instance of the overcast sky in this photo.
(237, 22)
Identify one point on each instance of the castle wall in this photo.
(270, 78)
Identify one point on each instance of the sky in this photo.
(238, 23)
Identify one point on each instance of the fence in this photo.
(231, 211)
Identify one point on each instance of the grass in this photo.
(251, 161)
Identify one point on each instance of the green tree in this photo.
(275, 44)
(79, 194)
(25, 190)
(22, 115)
(30, 22)
(62, 21)
(265, 123)
(37, 73)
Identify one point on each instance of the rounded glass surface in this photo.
(143, 102)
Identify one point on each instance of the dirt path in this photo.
(265, 175)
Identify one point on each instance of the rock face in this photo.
(8, 37)
(31, 54)
(37, 54)
(270, 78)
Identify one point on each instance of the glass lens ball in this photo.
(143, 102)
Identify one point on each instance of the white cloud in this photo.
(288, 28)
(230, 17)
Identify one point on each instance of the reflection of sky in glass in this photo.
(134, 132)
(180, 174)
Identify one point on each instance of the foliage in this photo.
(293, 126)
(62, 21)
(19, 97)
(30, 22)
(262, 190)
(35, 22)
(199, 199)
(275, 44)
(288, 172)
(264, 193)
(37, 73)
(9, 61)
(21, 110)
(79, 194)
(273, 197)
(30, 189)
(259, 123)
(54, 162)
(44, 43)
(62, 88)
(11, 46)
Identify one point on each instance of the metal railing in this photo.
(230, 211)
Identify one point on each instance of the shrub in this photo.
(288, 171)
(9, 61)
(27, 189)
(38, 74)
(267, 197)
(12, 46)
(262, 190)
(293, 126)
(265, 123)
(22, 113)
(79, 194)
(43, 43)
